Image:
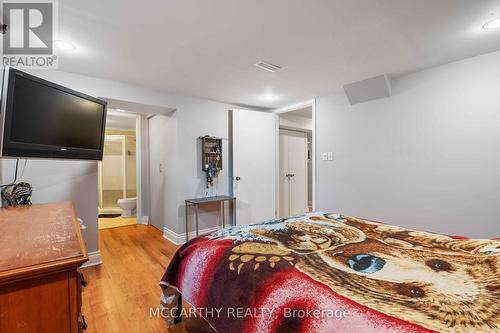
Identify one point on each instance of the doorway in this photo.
(138, 116)
(295, 173)
(117, 172)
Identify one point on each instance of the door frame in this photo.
(138, 158)
(294, 107)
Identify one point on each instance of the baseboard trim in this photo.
(179, 239)
(143, 220)
(94, 259)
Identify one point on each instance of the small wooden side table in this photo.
(200, 201)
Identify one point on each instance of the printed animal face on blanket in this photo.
(435, 281)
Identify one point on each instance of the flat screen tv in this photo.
(41, 119)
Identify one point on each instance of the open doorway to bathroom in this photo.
(117, 172)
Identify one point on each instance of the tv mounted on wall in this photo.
(41, 119)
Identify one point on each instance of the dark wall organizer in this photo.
(211, 152)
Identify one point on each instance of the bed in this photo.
(323, 272)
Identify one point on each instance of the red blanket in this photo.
(329, 273)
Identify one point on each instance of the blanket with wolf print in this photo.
(329, 273)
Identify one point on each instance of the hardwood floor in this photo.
(121, 291)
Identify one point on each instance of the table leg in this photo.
(220, 214)
(234, 211)
(223, 214)
(186, 212)
(196, 212)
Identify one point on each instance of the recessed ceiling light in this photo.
(495, 24)
(268, 97)
(120, 110)
(64, 45)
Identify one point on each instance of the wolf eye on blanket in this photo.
(389, 278)
(366, 263)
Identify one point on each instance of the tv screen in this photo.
(45, 120)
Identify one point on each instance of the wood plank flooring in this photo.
(121, 291)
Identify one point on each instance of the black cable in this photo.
(17, 167)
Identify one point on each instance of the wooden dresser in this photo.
(41, 248)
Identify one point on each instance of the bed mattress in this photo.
(322, 272)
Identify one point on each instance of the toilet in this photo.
(128, 206)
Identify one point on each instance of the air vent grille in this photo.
(268, 66)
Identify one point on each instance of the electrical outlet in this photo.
(325, 156)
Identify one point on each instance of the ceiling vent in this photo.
(268, 66)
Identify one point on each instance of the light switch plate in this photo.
(330, 156)
(325, 156)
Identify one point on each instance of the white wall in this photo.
(62, 180)
(77, 181)
(427, 158)
(143, 180)
(213, 120)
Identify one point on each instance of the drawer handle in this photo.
(82, 280)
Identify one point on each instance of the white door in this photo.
(293, 173)
(254, 165)
(284, 181)
(157, 161)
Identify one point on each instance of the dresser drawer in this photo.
(37, 305)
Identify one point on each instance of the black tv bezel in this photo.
(15, 149)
